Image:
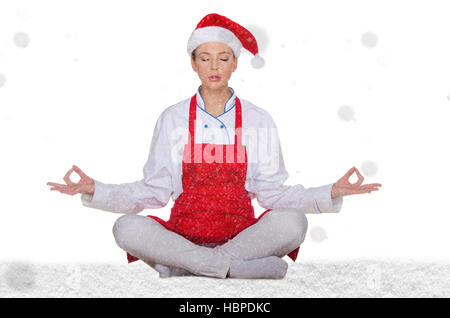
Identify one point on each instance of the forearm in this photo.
(308, 200)
(321, 200)
(127, 198)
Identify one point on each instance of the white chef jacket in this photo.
(266, 174)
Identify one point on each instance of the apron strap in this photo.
(192, 118)
(238, 124)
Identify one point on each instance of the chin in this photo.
(215, 84)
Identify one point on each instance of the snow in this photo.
(349, 278)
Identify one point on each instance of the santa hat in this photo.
(217, 28)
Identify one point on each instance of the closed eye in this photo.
(220, 59)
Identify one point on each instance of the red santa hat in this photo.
(217, 28)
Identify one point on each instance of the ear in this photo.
(235, 64)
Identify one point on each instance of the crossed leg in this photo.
(145, 238)
(276, 234)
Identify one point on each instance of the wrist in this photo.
(91, 188)
(333, 192)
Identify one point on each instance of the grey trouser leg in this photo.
(277, 233)
(145, 238)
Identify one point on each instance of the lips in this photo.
(214, 78)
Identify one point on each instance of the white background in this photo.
(95, 76)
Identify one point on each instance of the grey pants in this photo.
(276, 233)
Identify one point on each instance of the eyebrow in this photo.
(219, 53)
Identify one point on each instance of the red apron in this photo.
(214, 206)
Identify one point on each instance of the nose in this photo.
(214, 64)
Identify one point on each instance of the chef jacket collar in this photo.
(228, 105)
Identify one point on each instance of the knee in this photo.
(125, 228)
(299, 221)
(294, 225)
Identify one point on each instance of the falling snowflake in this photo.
(346, 113)
(369, 39)
(369, 168)
(318, 234)
(21, 39)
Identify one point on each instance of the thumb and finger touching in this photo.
(347, 188)
(71, 187)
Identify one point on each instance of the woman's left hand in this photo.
(344, 187)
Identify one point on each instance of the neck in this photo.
(215, 99)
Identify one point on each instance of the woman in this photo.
(200, 158)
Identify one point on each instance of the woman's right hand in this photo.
(85, 185)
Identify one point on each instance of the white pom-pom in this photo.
(257, 61)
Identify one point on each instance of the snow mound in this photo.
(350, 278)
